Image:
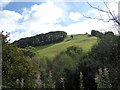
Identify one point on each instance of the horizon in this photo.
(26, 19)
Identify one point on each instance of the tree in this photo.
(74, 51)
(109, 32)
(96, 33)
(15, 67)
(71, 36)
(110, 14)
(107, 54)
(29, 51)
(41, 39)
(107, 51)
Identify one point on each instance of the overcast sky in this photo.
(25, 19)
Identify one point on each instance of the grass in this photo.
(51, 50)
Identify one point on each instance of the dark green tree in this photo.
(15, 66)
(107, 54)
(29, 51)
(96, 33)
(41, 39)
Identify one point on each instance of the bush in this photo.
(29, 51)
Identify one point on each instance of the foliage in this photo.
(71, 36)
(60, 62)
(96, 33)
(110, 33)
(29, 51)
(106, 53)
(81, 80)
(42, 39)
(102, 79)
(66, 64)
(50, 82)
(73, 51)
(15, 66)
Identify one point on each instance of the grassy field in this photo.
(80, 40)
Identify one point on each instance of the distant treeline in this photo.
(42, 39)
(100, 34)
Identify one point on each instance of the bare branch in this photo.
(100, 19)
(97, 8)
(111, 15)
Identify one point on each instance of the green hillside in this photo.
(51, 50)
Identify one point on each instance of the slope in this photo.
(81, 40)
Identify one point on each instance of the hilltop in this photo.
(80, 40)
(52, 43)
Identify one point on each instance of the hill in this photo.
(81, 40)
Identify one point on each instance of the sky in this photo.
(27, 18)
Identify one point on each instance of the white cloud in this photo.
(38, 19)
(85, 26)
(90, 24)
(44, 13)
(43, 18)
(9, 20)
(75, 16)
(111, 5)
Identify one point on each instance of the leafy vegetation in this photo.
(29, 51)
(42, 39)
(96, 33)
(16, 67)
(84, 62)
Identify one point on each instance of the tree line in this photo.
(73, 68)
(103, 55)
(41, 39)
(99, 68)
